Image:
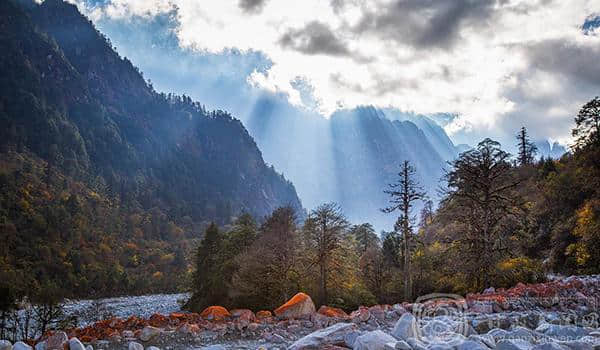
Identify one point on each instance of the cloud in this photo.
(252, 6)
(425, 23)
(494, 64)
(313, 39)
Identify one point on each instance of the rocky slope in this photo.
(558, 315)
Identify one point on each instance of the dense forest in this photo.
(105, 183)
(503, 220)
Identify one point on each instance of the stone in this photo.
(21, 346)
(471, 345)
(328, 336)
(416, 344)
(378, 312)
(135, 346)
(399, 309)
(548, 346)
(402, 345)
(149, 332)
(577, 345)
(332, 312)
(152, 348)
(520, 333)
(374, 340)
(215, 313)
(513, 344)
(298, 306)
(127, 334)
(360, 315)
(264, 314)
(244, 315)
(482, 308)
(75, 344)
(41, 346)
(561, 332)
(484, 339)
(214, 347)
(350, 338)
(5, 345)
(89, 347)
(56, 341)
(435, 327)
(406, 327)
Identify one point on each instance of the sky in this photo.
(492, 65)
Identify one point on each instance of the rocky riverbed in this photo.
(558, 315)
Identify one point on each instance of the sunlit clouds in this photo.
(496, 64)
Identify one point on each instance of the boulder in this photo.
(416, 344)
(402, 345)
(360, 315)
(75, 344)
(56, 341)
(577, 345)
(152, 348)
(298, 306)
(332, 312)
(548, 346)
(264, 314)
(561, 332)
(215, 313)
(436, 327)
(135, 346)
(484, 339)
(378, 312)
(5, 345)
(214, 347)
(328, 336)
(513, 344)
(375, 340)
(21, 346)
(41, 345)
(89, 347)
(471, 345)
(149, 332)
(406, 327)
(243, 315)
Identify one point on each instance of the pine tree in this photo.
(527, 149)
(365, 237)
(587, 129)
(403, 195)
(209, 285)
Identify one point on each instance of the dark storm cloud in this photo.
(252, 6)
(426, 23)
(577, 62)
(314, 39)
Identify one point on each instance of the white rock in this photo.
(152, 348)
(331, 335)
(471, 345)
(406, 327)
(484, 339)
(375, 340)
(402, 345)
(21, 346)
(75, 344)
(41, 345)
(5, 345)
(89, 347)
(577, 345)
(149, 332)
(135, 346)
(513, 344)
(548, 346)
(214, 347)
(560, 332)
(416, 344)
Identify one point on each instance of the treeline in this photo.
(502, 220)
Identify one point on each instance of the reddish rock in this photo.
(56, 341)
(300, 305)
(215, 313)
(243, 315)
(332, 312)
(158, 320)
(360, 315)
(263, 314)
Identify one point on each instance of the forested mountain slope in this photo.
(101, 175)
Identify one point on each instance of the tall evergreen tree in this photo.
(403, 196)
(365, 237)
(587, 128)
(527, 149)
(209, 285)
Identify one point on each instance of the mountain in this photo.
(95, 161)
(547, 150)
(351, 157)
